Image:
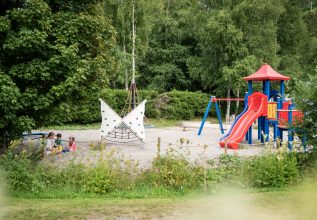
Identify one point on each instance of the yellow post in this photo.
(158, 147)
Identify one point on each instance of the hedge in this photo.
(177, 105)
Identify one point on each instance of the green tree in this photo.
(51, 52)
(294, 42)
(120, 13)
(171, 44)
(307, 96)
(257, 19)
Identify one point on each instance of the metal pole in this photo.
(206, 115)
(282, 89)
(290, 130)
(250, 135)
(259, 128)
(219, 118)
(250, 87)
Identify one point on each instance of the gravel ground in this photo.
(170, 138)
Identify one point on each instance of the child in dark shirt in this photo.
(58, 143)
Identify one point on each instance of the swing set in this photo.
(215, 100)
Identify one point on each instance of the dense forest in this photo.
(61, 51)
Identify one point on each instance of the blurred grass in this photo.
(293, 203)
(89, 208)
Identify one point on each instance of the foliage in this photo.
(271, 170)
(178, 105)
(57, 56)
(44, 59)
(113, 175)
(226, 169)
(18, 165)
(173, 170)
(307, 92)
(174, 105)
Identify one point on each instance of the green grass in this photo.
(292, 203)
(70, 193)
(72, 127)
(163, 123)
(88, 208)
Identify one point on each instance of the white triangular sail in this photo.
(134, 120)
(110, 119)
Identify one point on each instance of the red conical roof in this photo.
(266, 72)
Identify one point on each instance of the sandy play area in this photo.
(170, 138)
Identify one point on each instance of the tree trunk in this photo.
(126, 82)
(133, 44)
(228, 104)
(133, 86)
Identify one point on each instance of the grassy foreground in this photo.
(291, 204)
(88, 208)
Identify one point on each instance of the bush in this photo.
(112, 172)
(227, 169)
(174, 105)
(181, 104)
(272, 170)
(174, 171)
(19, 174)
(18, 168)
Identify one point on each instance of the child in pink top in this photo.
(71, 144)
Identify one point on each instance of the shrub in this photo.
(226, 169)
(170, 105)
(100, 179)
(18, 168)
(181, 104)
(112, 172)
(19, 174)
(173, 170)
(271, 170)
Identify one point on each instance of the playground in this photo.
(268, 116)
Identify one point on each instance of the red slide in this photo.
(257, 107)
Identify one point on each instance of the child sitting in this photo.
(49, 148)
(58, 143)
(71, 144)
